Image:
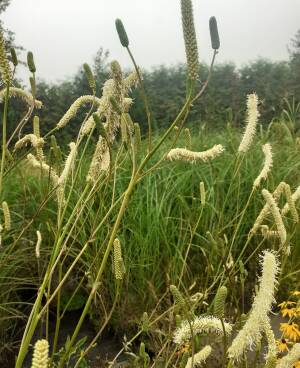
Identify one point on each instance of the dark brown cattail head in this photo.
(122, 33)
(30, 62)
(214, 33)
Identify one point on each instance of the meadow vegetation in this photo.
(176, 237)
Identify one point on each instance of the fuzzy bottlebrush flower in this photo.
(182, 154)
(202, 193)
(252, 118)
(271, 356)
(68, 165)
(290, 205)
(4, 64)
(38, 244)
(199, 357)
(119, 268)
(23, 95)
(291, 358)
(190, 40)
(65, 173)
(276, 214)
(268, 234)
(200, 325)
(281, 188)
(42, 166)
(250, 335)
(100, 161)
(29, 138)
(131, 81)
(6, 215)
(40, 354)
(219, 302)
(267, 150)
(71, 113)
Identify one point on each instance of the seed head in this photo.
(201, 325)
(90, 77)
(199, 358)
(119, 268)
(6, 214)
(250, 334)
(182, 154)
(190, 40)
(252, 118)
(40, 354)
(38, 244)
(30, 62)
(122, 33)
(4, 64)
(214, 34)
(219, 302)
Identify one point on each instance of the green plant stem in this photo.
(4, 132)
(58, 318)
(145, 99)
(107, 319)
(224, 342)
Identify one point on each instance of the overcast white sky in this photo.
(63, 34)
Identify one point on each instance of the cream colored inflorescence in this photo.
(23, 95)
(182, 154)
(252, 118)
(76, 105)
(119, 268)
(267, 150)
(282, 188)
(190, 40)
(250, 335)
(42, 166)
(6, 215)
(271, 356)
(199, 358)
(4, 64)
(291, 358)
(29, 138)
(200, 325)
(38, 244)
(40, 358)
(276, 214)
(58, 182)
